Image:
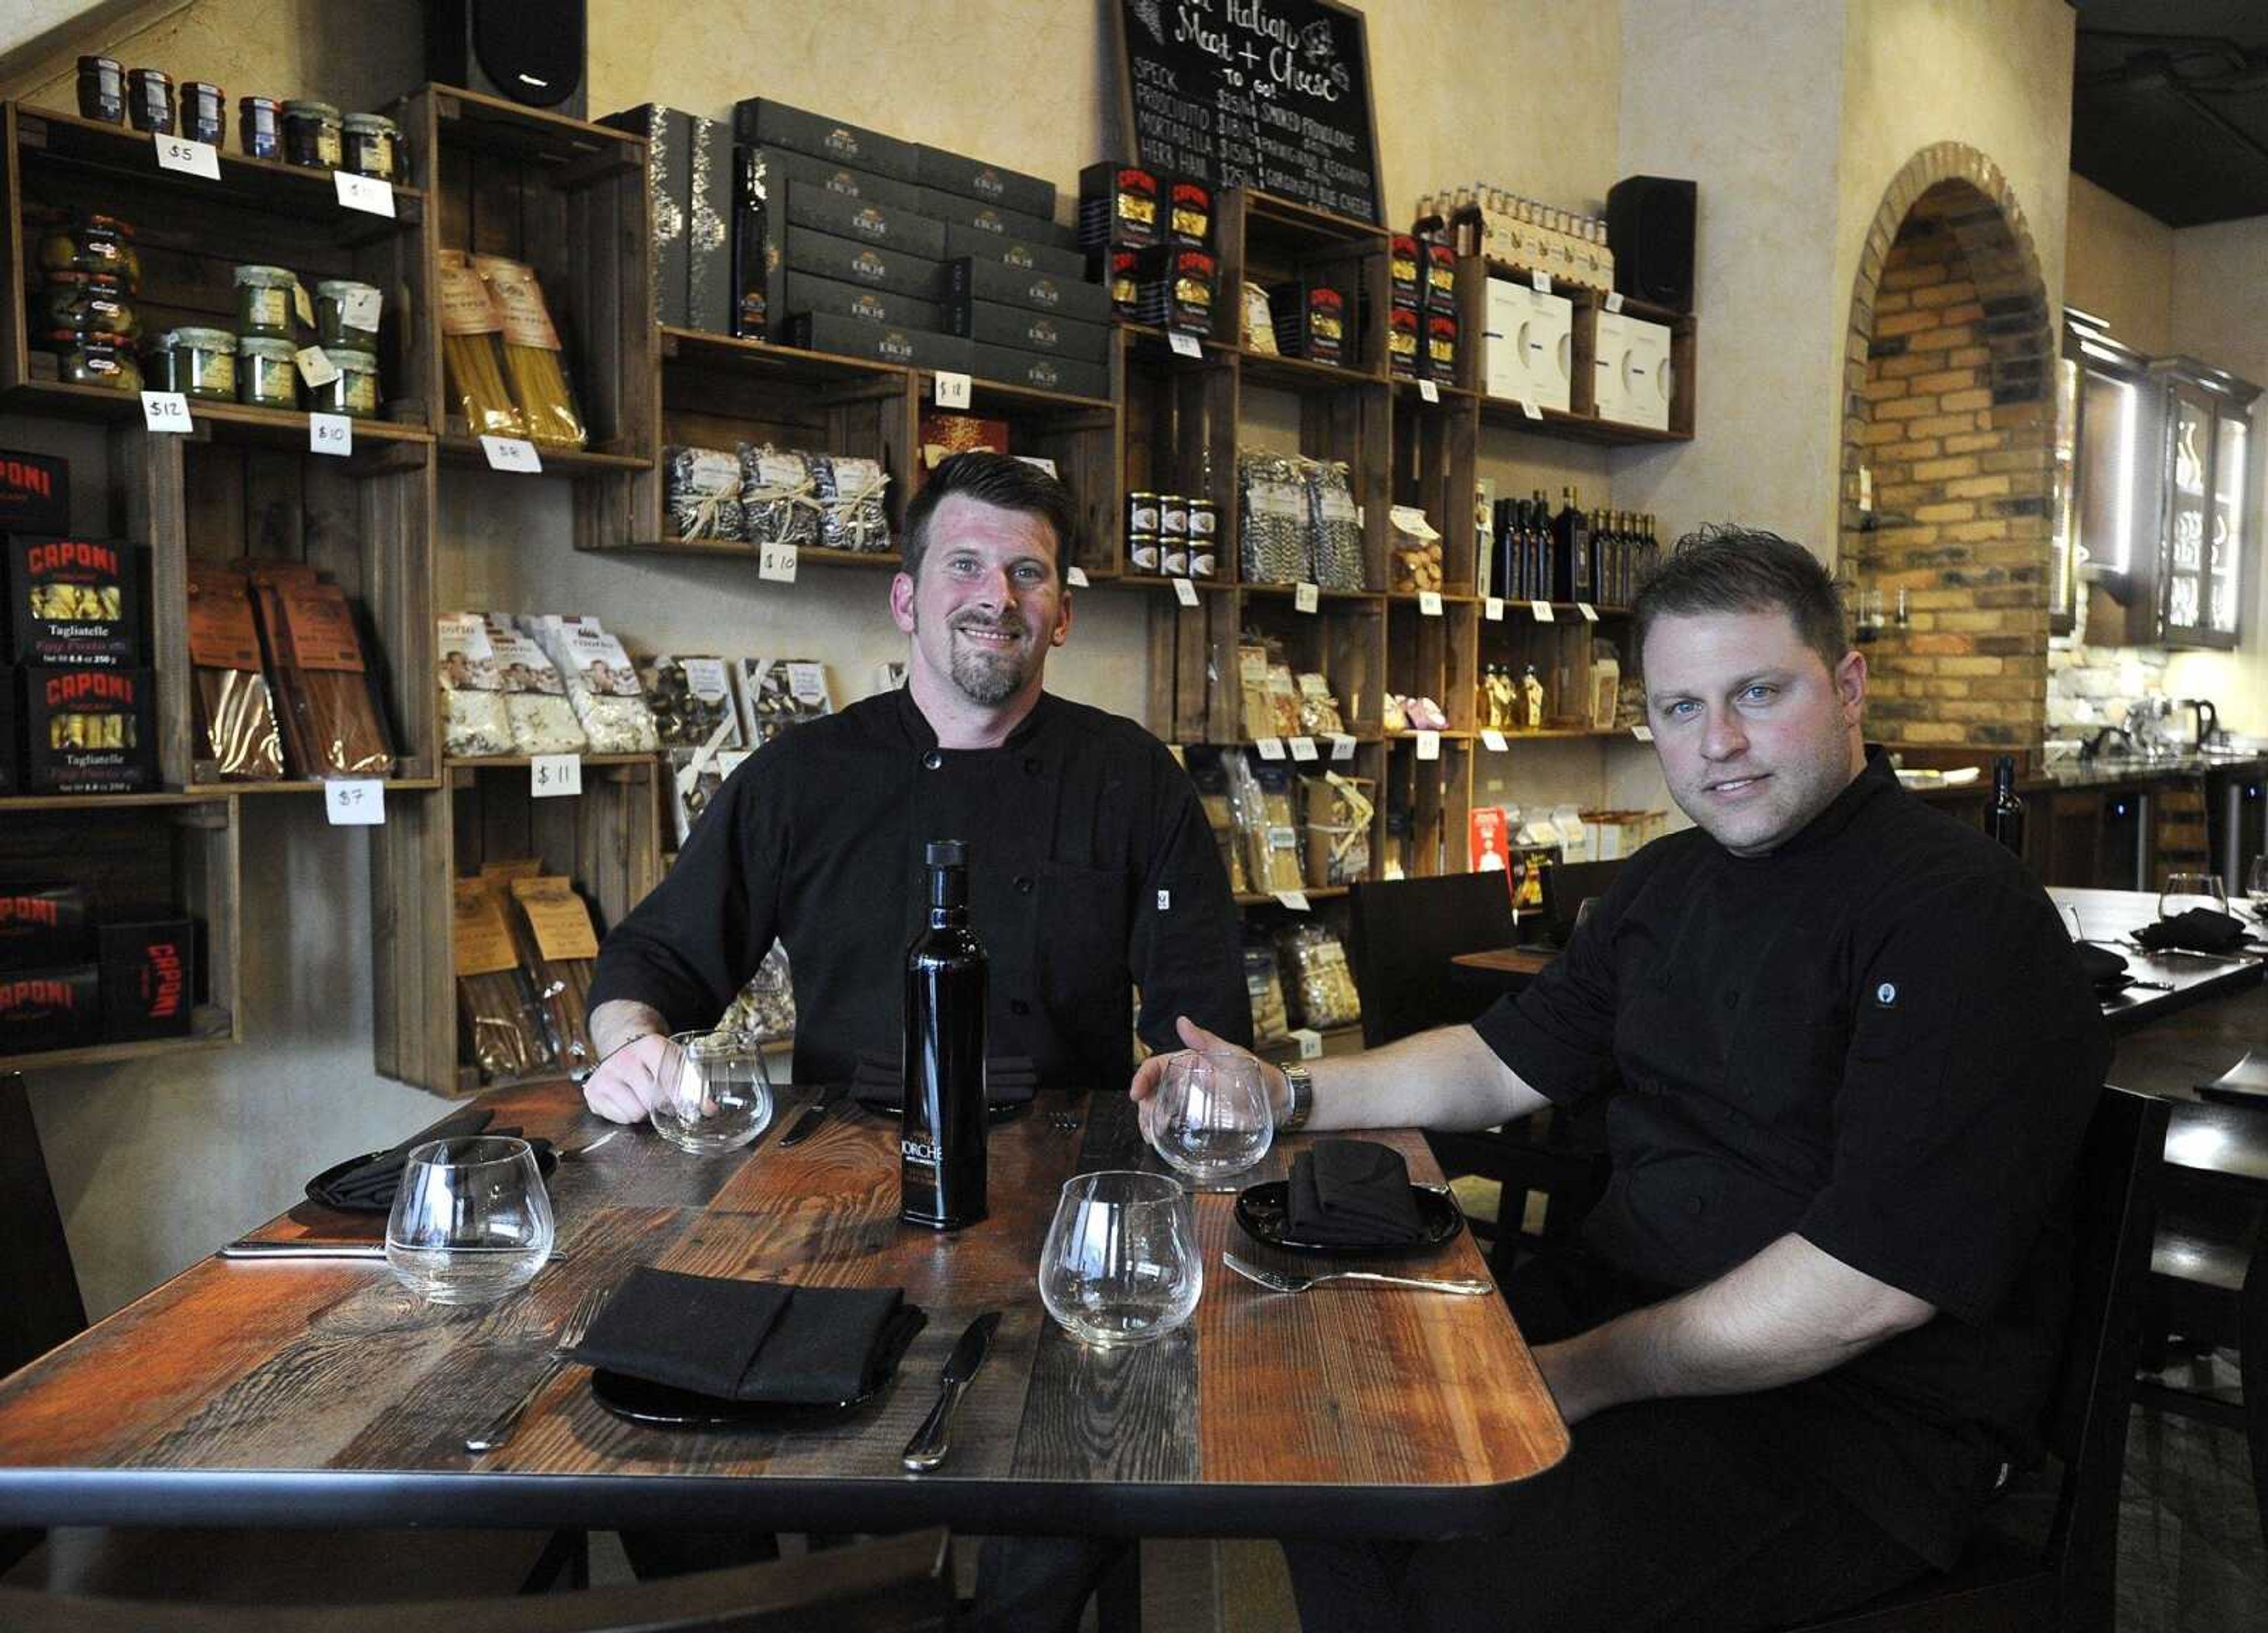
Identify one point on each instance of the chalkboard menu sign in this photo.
(1271, 94)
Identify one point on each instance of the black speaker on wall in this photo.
(1650, 229)
(526, 51)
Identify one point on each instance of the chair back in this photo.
(1403, 934)
(39, 1302)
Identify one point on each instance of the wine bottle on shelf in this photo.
(1548, 587)
(2004, 818)
(941, 1140)
(1571, 566)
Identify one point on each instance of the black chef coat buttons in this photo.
(1696, 1204)
(1023, 884)
(1031, 765)
(1017, 1006)
(933, 760)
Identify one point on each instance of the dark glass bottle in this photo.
(2004, 818)
(1571, 567)
(1544, 585)
(941, 1145)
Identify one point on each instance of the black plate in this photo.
(1264, 1211)
(642, 1401)
(547, 1161)
(995, 1110)
(2111, 986)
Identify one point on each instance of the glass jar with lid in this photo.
(347, 313)
(86, 242)
(312, 136)
(372, 145)
(204, 112)
(354, 391)
(259, 127)
(196, 362)
(95, 360)
(88, 303)
(150, 100)
(263, 301)
(267, 372)
(102, 90)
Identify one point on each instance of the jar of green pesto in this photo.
(266, 372)
(354, 391)
(263, 301)
(196, 362)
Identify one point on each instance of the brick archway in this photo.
(1949, 407)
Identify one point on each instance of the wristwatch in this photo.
(1302, 1089)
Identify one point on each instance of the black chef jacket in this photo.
(1878, 1037)
(1090, 869)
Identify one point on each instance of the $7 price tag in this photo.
(355, 802)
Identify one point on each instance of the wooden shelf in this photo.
(1510, 415)
(789, 365)
(494, 762)
(1000, 398)
(1317, 893)
(1334, 1041)
(1412, 394)
(467, 451)
(1286, 592)
(378, 444)
(1297, 374)
(741, 551)
(215, 1033)
(314, 785)
(114, 802)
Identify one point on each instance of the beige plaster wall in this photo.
(2118, 264)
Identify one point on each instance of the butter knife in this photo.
(813, 1114)
(304, 1249)
(934, 1438)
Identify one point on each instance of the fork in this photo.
(499, 1429)
(1279, 1282)
(567, 1152)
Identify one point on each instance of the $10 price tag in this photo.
(355, 802)
(776, 562)
(1306, 597)
(553, 777)
(330, 433)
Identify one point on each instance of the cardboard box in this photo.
(43, 925)
(1006, 224)
(149, 978)
(1015, 254)
(864, 222)
(1525, 345)
(988, 184)
(971, 278)
(759, 119)
(886, 342)
(11, 733)
(773, 167)
(668, 136)
(1631, 366)
(34, 492)
(709, 289)
(73, 600)
(1121, 204)
(87, 730)
(848, 261)
(1041, 372)
(990, 323)
(806, 293)
(56, 1008)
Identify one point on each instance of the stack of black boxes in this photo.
(1149, 241)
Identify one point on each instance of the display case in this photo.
(2202, 525)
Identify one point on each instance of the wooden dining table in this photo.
(306, 1393)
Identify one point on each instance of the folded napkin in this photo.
(369, 1186)
(751, 1341)
(1352, 1194)
(2101, 964)
(878, 1084)
(2200, 930)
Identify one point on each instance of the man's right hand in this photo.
(1151, 1071)
(624, 1087)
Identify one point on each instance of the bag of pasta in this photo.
(532, 365)
(1264, 987)
(236, 711)
(1322, 977)
(472, 350)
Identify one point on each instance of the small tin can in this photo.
(150, 100)
(102, 90)
(204, 112)
(1142, 552)
(1174, 557)
(1141, 512)
(259, 127)
(1204, 523)
(1173, 519)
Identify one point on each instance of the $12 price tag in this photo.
(355, 802)
(165, 411)
(1185, 593)
(554, 776)
(190, 158)
(1493, 609)
(330, 433)
(1428, 391)
(1429, 603)
(1303, 748)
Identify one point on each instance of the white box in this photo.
(1528, 344)
(1631, 370)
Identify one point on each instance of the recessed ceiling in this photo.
(2169, 106)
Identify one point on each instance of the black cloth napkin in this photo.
(368, 1186)
(2200, 930)
(751, 1341)
(2101, 964)
(1352, 1194)
(878, 1083)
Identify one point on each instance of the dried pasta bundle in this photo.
(1264, 986)
(330, 697)
(472, 350)
(780, 496)
(236, 711)
(559, 950)
(1324, 979)
(765, 1008)
(502, 1022)
(531, 368)
(701, 491)
(601, 684)
(1261, 797)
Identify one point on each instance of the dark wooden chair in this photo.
(897, 1585)
(1403, 934)
(2007, 1581)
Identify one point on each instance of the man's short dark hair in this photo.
(994, 479)
(1730, 569)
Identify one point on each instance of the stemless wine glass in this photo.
(2184, 891)
(1211, 1116)
(2256, 887)
(1121, 1265)
(471, 1220)
(716, 1094)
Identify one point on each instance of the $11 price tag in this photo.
(354, 802)
(1306, 597)
(1428, 391)
(554, 776)
(1493, 609)
(1184, 343)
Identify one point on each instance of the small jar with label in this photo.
(372, 145)
(102, 90)
(259, 127)
(204, 112)
(1142, 552)
(1174, 555)
(355, 391)
(1174, 521)
(312, 136)
(1204, 529)
(196, 362)
(150, 100)
(1141, 512)
(263, 301)
(267, 372)
(347, 313)
(88, 303)
(95, 360)
(92, 243)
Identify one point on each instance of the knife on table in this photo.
(813, 1114)
(934, 1438)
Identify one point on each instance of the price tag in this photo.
(1303, 748)
(1185, 593)
(1542, 610)
(776, 562)
(1076, 577)
(364, 193)
(1295, 900)
(1542, 280)
(165, 411)
(190, 158)
(1391, 872)
(1342, 747)
(952, 389)
(1271, 747)
(1310, 1042)
(1614, 300)
(552, 776)
(1184, 343)
(1429, 745)
(1306, 597)
(359, 309)
(1428, 391)
(316, 367)
(512, 454)
(330, 433)
(1527, 406)
(302, 306)
(1493, 609)
(1590, 613)
(355, 802)
(1644, 733)
(1493, 740)
(1429, 603)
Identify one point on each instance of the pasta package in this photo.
(695, 774)
(532, 370)
(472, 350)
(341, 726)
(503, 1022)
(851, 500)
(780, 496)
(765, 1010)
(601, 684)
(235, 709)
(473, 719)
(561, 949)
(537, 710)
(1322, 977)
(701, 493)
